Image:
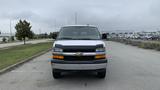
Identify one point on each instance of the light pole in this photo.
(10, 30)
(55, 24)
(75, 17)
(39, 31)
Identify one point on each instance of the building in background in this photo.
(7, 36)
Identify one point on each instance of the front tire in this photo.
(56, 74)
(101, 73)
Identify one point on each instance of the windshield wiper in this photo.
(66, 38)
(87, 39)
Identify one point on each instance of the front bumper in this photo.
(78, 65)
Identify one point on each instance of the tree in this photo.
(23, 30)
(45, 35)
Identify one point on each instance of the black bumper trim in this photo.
(79, 62)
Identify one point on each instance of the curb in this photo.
(12, 67)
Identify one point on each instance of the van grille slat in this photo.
(79, 50)
(78, 58)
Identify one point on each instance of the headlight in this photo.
(100, 50)
(57, 50)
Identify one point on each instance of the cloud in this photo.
(107, 14)
(18, 15)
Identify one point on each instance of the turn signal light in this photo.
(100, 56)
(58, 57)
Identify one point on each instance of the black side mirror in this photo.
(104, 36)
(54, 36)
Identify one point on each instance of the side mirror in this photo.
(54, 35)
(104, 36)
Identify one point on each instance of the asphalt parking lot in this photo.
(129, 68)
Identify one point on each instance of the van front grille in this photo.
(79, 50)
(78, 58)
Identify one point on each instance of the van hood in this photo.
(79, 42)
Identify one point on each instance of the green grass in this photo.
(17, 53)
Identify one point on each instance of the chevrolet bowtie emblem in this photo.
(79, 54)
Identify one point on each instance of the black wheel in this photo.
(101, 73)
(56, 73)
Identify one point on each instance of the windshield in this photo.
(79, 33)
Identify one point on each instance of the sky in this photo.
(108, 15)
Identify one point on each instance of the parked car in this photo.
(155, 37)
